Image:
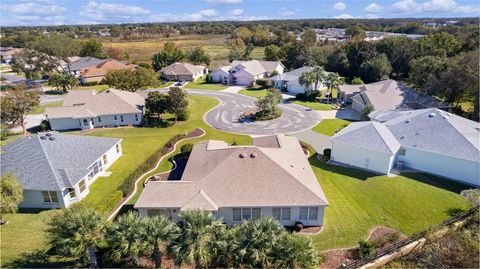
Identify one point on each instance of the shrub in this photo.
(365, 249)
(184, 115)
(268, 116)
(308, 95)
(186, 149)
(209, 78)
(4, 132)
(45, 126)
(298, 226)
(262, 82)
(357, 81)
(326, 154)
(90, 83)
(145, 65)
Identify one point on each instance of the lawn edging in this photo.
(125, 200)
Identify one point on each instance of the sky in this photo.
(68, 12)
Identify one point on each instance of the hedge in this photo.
(129, 184)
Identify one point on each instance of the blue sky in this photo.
(58, 12)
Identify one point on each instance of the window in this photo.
(71, 191)
(115, 117)
(117, 147)
(121, 118)
(136, 117)
(308, 213)
(237, 214)
(85, 122)
(281, 213)
(246, 213)
(99, 119)
(240, 214)
(79, 122)
(105, 160)
(81, 185)
(402, 152)
(50, 197)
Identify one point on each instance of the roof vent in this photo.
(431, 115)
(43, 137)
(242, 155)
(407, 121)
(51, 138)
(253, 155)
(402, 137)
(48, 134)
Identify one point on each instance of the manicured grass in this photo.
(256, 92)
(164, 84)
(359, 201)
(139, 143)
(313, 105)
(40, 109)
(99, 88)
(202, 85)
(329, 126)
(334, 93)
(12, 137)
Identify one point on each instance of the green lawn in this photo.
(202, 85)
(329, 126)
(256, 92)
(313, 105)
(359, 201)
(99, 88)
(10, 138)
(40, 109)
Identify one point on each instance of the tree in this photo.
(198, 55)
(169, 55)
(355, 33)
(242, 33)
(261, 36)
(114, 53)
(306, 79)
(295, 251)
(63, 81)
(56, 46)
(255, 243)
(267, 106)
(426, 67)
(273, 53)
(77, 231)
(337, 61)
(358, 53)
(366, 111)
(129, 80)
(156, 103)
(319, 75)
(18, 104)
(375, 69)
(31, 61)
(357, 81)
(309, 38)
(297, 55)
(91, 48)
(177, 102)
(238, 50)
(400, 51)
(159, 230)
(439, 44)
(126, 237)
(333, 82)
(11, 194)
(192, 242)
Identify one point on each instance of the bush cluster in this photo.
(308, 95)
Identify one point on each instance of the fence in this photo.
(400, 244)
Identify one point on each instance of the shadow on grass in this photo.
(346, 171)
(454, 211)
(438, 182)
(40, 259)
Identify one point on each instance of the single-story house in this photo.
(386, 95)
(56, 170)
(237, 183)
(7, 54)
(246, 72)
(183, 71)
(97, 73)
(78, 64)
(289, 81)
(428, 140)
(88, 109)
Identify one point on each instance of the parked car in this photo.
(180, 83)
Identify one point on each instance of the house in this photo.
(57, 170)
(428, 140)
(386, 95)
(289, 81)
(183, 71)
(78, 64)
(87, 109)
(7, 54)
(97, 73)
(237, 183)
(246, 72)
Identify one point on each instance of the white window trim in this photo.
(50, 197)
(250, 209)
(309, 209)
(281, 213)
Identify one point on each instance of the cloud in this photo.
(110, 12)
(451, 6)
(373, 7)
(372, 16)
(208, 12)
(286, 13)
(340, 6)
(40, 12)
(34, 7)
(237, 12)
(223, 2)
(344, 16)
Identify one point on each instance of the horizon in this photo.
(44, 13)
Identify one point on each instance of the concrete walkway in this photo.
(233, 89)
(317, 140)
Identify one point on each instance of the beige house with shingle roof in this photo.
(246, 72)
(88, 109)
(237, 183)
(183, 71)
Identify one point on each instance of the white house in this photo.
(289, 81)
(183, 71)
(87, 109)
(428, 140)
(246, 72)
(56, 170)
(237, 183)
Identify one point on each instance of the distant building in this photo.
(56, 170)
(97, 73)
(77, 64)
(183, 71)
(246, 72)
(289, 81)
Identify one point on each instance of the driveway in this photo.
(317, 140)
(233, 89)
(31, 121)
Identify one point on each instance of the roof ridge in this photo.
(454, 127)
(52, 169)
(205, 196)
(375, 126)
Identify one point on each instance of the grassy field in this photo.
(256, 92)
(201, 84)
(99, 88)
(41, 108)
(313, 105)
(359, 201)
(329, 126)
(10, 138)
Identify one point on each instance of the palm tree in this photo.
(125, 237)
(192, 243)
(77, 231)
(319, 74)
(255, 242)
(295, 251)
(333, 81)
(158, 231)
(306, 79)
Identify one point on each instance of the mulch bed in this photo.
(335, 258)
(311, 230)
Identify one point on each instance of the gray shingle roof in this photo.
(44, 164)
(185, 69)
(84, 62)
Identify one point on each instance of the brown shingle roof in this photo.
(182, 69)
(104, 67)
